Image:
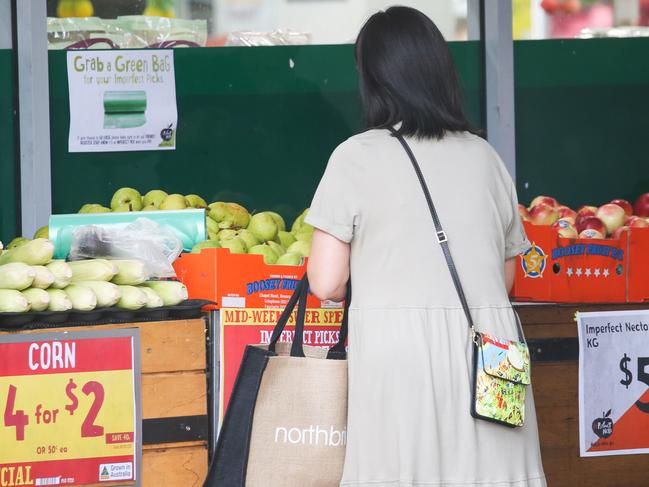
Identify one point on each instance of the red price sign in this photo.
(69, 408)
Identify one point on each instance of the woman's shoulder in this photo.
(358, 148)
(374, 144)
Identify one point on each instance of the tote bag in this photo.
(285, 425)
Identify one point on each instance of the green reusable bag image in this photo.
(124, 109)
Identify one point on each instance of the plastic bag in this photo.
(83, 33)
(160, 32)
(143, 239)
(274, 38)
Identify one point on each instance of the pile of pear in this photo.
(229, 225)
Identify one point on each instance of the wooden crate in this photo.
(174, 386)
(555, 385)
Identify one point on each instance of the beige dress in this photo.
(409, 349)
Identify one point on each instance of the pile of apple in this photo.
(609, 220)
(229, 225)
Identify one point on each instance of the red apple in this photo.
(543, 214)
(571, 6)
(565, 228)
(641, 206)
(590, 233)
(523, 213)
(550, 6)
(564, 212)
(618, 232)
(563, 223)
(625, 205)
(612, 216)
(592, 223)
(636, 222)
(587, 210)
(548, 200)
(583, 212)
(568, 232)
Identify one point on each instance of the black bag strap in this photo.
(299, 297)
(442, 239)
(286, 314)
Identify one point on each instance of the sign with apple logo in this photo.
(122, 100)
(603, 427)
(613, 382)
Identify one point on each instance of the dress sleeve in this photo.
(516, 241)
(334, 208)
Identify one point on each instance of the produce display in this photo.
(31, 281)
(610, 220)
(229, 225)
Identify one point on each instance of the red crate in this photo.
(565, 270)
(240, 280)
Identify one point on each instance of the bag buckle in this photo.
(475, 337)
(441, 236)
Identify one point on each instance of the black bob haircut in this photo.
(407, 75)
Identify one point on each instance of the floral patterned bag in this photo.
(501, 372)
(501, 368)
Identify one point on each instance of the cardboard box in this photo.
(567, 270)
(241, 280)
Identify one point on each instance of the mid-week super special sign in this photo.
(614, 382)
(70, 408)
(241, 327)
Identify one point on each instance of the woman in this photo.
(409, 346)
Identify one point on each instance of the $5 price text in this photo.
(641, 376)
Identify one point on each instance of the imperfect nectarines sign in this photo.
(613, 382)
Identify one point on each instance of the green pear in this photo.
(195, 201)
(17, 242)
(289, 258)
(270, 256)
(94, 208)
(279, 250)
(305, 233)
(174, 202)
(154, 198)
(206, 244)
(281, 225)
(43, 232)
(212, 235)
(212, 226)
(218, 211)
(127, 196)
(299, 221)
(300, 247)
(235, 244)
(263, 227)
(123, 208)
(150, 208)
(240, 216)
(247, 236)
(285, 238)
(227, 233)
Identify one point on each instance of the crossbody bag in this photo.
(501, 368)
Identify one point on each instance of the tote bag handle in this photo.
(299, 297)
